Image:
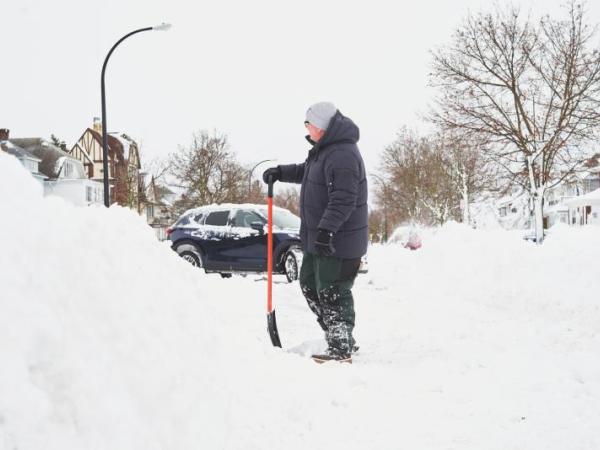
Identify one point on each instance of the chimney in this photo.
(97, 125)
(4, 132)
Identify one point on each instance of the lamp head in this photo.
(162, 27)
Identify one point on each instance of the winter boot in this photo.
(354, 345)
(331, 355)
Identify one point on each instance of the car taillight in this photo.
(169, 231)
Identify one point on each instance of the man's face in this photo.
(315, 133)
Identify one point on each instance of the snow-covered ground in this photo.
(108, 340)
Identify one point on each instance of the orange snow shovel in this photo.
(271, 322)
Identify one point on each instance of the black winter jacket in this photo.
(334, 190)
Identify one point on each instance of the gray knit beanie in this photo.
(320, 114)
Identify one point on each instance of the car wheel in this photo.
(291, 266)
(191, 254)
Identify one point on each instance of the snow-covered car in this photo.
(232, 238)
(409, 236)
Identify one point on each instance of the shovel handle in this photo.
(270, 247)
(270, 189)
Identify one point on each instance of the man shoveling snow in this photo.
(334, 223)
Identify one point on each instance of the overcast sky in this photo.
(246, 68)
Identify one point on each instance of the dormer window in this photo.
(32, 166)
(68, 170)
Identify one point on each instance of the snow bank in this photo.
(478, 340)
(107, 338)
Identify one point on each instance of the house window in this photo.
(89, 194)
(503, 211)
(150, 212)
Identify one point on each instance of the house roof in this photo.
(119, 144)
(51, 157)
(559, 207)
(15, 150)
(115, 146)
(589, 199)
(163, 191)
(157, 194)
(508, 199)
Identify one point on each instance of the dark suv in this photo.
(232, 238)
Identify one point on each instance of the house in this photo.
(513, 210)
(555, 209)
(157, 205)
(58, 172)
(123, 165)
(29, 160)
(64, 176)
(585, 209)
(564, 202)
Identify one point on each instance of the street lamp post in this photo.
(250, 174)
(161, 27)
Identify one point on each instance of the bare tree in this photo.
(208, 171)
(157, 168)
(256, 194)
(471, 173)
(377, 230)
(289, 198)
(529, 89)
(420, 186)
(437, 190)
(400, 165)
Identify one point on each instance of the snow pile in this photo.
(107, 338)
(478, 340)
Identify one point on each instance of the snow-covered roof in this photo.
(123, 139)
(589, 199)
(126, 142)
(559, 207)
(119, 144)
(15, 150)
(52, 158)
(503, 201)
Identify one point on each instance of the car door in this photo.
(216, 239)
(248, 246)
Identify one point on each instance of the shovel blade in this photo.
(272, 327)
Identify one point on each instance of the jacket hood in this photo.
(341, 129)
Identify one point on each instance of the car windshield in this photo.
(283, 219)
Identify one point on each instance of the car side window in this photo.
(185, 220)
(217, 218)
(198, 218)
(244, 218)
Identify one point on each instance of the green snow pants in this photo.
(326, 282)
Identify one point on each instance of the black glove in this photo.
(273, 172)
(324, 243)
